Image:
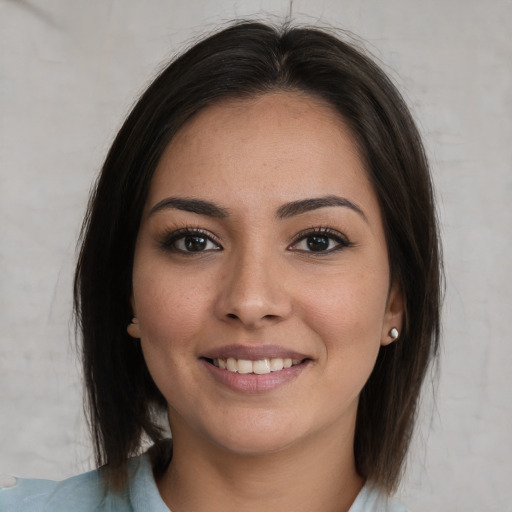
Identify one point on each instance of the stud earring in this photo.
(394, 333)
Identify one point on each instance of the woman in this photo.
(259, 266)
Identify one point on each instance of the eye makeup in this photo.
(191, 240)
(320, 241)
(188, 241)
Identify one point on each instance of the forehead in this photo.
(276, 145)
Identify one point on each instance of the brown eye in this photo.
(189, 241)
(318, 243)
(195, 243)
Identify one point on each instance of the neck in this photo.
(319, 474)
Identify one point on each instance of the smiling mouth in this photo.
(258, 367)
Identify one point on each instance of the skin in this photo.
(256, 284)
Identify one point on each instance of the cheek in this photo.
(168, 307)
(346, 303)
(350, 342)
(347, 313)
(171, 313)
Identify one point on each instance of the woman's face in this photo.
(262, 246)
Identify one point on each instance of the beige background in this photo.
(69, 71)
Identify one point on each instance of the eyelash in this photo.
(331, 234)
(170, 238)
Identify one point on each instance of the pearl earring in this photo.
(394, 333)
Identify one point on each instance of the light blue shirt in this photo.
(85, 493)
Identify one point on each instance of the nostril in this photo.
(236, 317)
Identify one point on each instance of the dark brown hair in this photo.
(245, 60)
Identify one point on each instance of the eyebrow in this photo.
(199, 206)
(209, 209)
(306, 205)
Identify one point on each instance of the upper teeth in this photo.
(259, 367)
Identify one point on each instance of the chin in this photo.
(255, 445)
(261, 436)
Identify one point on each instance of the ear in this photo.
(133, 327)
(394, 315)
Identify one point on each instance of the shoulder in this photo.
(373, 499)
(81, 493)
(85, 493)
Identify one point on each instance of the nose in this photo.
(253, 292)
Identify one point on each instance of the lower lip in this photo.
(252, 383)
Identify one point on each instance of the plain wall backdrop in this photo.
(69, 72)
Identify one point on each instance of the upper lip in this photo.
(252, 352)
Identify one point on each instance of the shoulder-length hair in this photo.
(245, 60)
